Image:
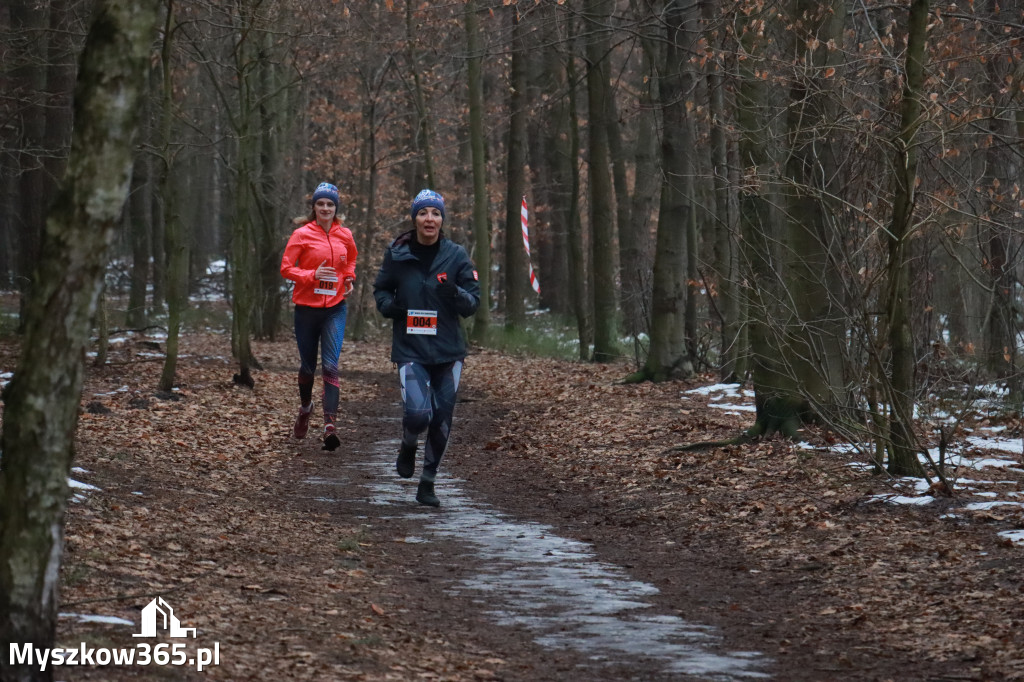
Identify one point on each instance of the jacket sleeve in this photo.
(468, 282)
(385, 288)
(289, 263)
(352, 254)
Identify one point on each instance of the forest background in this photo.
(822, 198)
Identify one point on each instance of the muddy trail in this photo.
(567, 545)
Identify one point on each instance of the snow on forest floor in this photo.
(972, 465)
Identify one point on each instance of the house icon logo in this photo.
(159, 611)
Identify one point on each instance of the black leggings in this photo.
(324, 327)
(428, 395)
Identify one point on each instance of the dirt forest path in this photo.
(567, 545)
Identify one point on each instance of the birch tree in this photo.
(42, 400)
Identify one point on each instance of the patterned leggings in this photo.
(428, 395)
(324, 327)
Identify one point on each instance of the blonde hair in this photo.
(301, 220)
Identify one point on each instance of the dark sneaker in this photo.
(425, 494)
(331, 440)
(406, 462)
(301, 427)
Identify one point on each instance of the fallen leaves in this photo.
(909, 582)
(209, 529)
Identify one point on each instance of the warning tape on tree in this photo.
(526, 242)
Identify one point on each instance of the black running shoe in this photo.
(331, 440)
(425, 494)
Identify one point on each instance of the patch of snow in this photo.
(123, 389)
(728, 389)
(1014, 445)
(982, 506)
(556, 587)
(738, 408)
(1014, 536)
(864, 466)
(72, 483)
(991, 462)
(902, 499)
(918, 484)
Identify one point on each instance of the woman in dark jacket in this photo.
(425, 283)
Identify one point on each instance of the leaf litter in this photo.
(785, 549)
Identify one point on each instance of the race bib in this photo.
(327, 286)
(421, 322)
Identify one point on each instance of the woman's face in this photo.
(325, 210)
(428, 225)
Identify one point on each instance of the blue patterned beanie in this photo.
(428, 197)
(326, 190)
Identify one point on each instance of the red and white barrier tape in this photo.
(526, 242)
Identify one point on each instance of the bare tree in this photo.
(515, 256)
(481, 222)
(41, 403)
(903, 446)
(602, 217)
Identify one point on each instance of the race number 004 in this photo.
(421, 322)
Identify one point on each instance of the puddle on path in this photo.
(555, 587)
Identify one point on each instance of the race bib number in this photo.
(328, 286)
(421, 322)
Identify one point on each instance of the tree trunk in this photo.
(60, 84)
(635, 242)
(567, 212)
(626, 229)
(29, 21)
(602, 218)
(903, 446)
(177, 246)
(481, 210)
(816, 328)
(419, 101)
(139, 223)
(42, 400)
(515, 254)
(669, 356)
(1001, 172)
(777, 399)
(726, 222)
(364, 292)
(242, 299)
(273, 114)
(102, 325)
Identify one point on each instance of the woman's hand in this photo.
(350, 284)
(326, 272)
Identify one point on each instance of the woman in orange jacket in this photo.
(321, 259)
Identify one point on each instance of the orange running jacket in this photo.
(307, 249)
